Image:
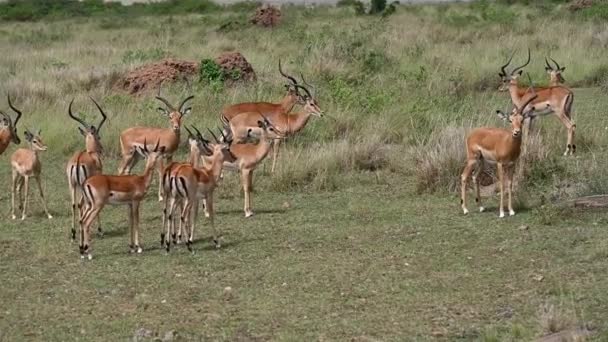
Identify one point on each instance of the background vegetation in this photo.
(359, 234)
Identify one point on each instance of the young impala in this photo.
(8, 128)
(248, 156)
(128, 190)
(132, 138)
(555, 75)
(26, 164)
(84, 163)
(557, 99)
(189, 183)
(289, 124)
(495, 145)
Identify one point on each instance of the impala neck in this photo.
(514, 91)
(5, 138)
(215, 167)
(194, 157)
(288, 102)
(148, 172)
(263, 147)
(296, 122)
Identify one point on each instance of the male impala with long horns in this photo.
(84, 164)
(8, 128)
(556, 99)
(133, 138)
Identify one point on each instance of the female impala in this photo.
(132, 138)
(555, 75)
(84, 164)
(248, 156)
(129, 190)
(289, 124)
(189, 183)
(495, 145)
(26, 164)
(8, 128)
(557, 100)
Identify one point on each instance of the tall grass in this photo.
(401, 91)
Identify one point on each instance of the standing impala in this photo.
(189, 183)
(557, 100)
(26, 164)
(129, 190)
(84, 164)
(8, 128)
(555, 74)
(495, 145)
(133, 138)
(248, 156)
(289, 124)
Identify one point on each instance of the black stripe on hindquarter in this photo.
(184, 189)
(90, 194)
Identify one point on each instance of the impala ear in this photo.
(84, 134)
(520, 72)
(162, 149)
(187, 111)
(562, 69)
(260, 124)
(28, 135)
(502, 115)
(162, 111)
(547, 69)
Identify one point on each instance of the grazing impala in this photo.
(557, 100)
(84, 164)
(248, 156)
(26, 164)
(8, 128)
(129, 190)
(495, 145)
(555, 75)
(132, 138)
(188, 183)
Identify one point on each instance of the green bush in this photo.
(377, 6)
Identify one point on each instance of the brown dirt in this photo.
(266, 16)
(579, 4)
(150, 76)
(235, 67)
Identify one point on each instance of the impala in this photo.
(555, 75)
(289, 124)
(8, 128)
(188, 183)
(26, 164)
(495, 145)
(557, 100)
(198, 147)
(248, 156)
(86, 163)
(129, 190)
(132, 138)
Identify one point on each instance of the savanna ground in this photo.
(359, 234)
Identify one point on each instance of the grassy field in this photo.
(359, 235)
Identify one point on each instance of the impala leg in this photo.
(164, 225)
(216, 236)
(91, 215)
(177, 236)
(275, 153)
(46, 209)
(159, 169)
(192, 216)
(476, 174)
(501, 180)
(510, 172)
(26, 186)
(13, 190)
(570, 146)
(74, 195)
(127, 159)
(464, 177)
(205, 209)
(246, 181)
(186, 222)
(135, 212)
(170, 221)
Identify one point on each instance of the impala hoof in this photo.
(482, 209)
(90, 256)
(465, 211)
(501, 215)
(14, 217)
(248, 213)
(49, 216)
(23, 217)
(511, 212)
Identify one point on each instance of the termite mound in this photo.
(148, 77)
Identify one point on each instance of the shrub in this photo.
(210, 71)
(377, 6)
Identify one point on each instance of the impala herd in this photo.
(250, 131)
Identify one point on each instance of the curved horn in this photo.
(199, 135)
(299, 86)
(557, 65)
(103, 115)
(157, 143)
(502, 68)
(181, 106)
(547, 64)
(224, 138)
(190, 135)
(520, 67)
(6, 116)
(314, 89)
(15, 110)
(145, 145)
(161, 99)
(214, 137)
(291, 78)
(74, 117)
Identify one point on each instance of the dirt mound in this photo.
(266, 16)
(150, 76)
(235, 67)
(579, 5)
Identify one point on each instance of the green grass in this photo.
(350, 241)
